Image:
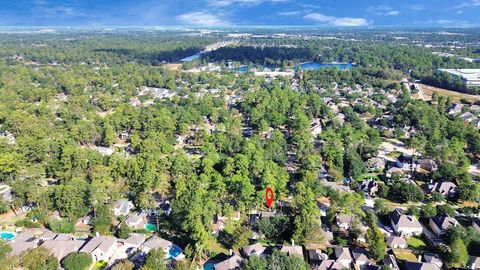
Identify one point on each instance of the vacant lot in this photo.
(456, 96)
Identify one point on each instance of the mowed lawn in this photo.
(416, 243)
(404, 255)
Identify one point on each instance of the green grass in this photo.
(416, 243)
(405, 255)
(100, 265)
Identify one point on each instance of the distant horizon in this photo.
(240, 13)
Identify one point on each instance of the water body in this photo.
(192, 57)
(305, 66)
(315, 65)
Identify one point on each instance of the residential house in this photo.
(394, 170)
(255, 249)
(456, 109)
(343, 221)
(467, 117)
(343, 256)
(447, 189)
(376, 164)
(232, 263)
(234, 217)
(292, 250)
(217, 227)
(432, 258)
(440, 224)
(396, 242)
(23, 241)
(405, 162)
(316, 257)
(473, 262)
(100, 247)
(390, 261)
(61, 248)
(360, 256)
(133, 242)
(420, 266)
(156, 242)
(405, 225)
(476, 224)
(136, 221)
(427, 164)
(122, 207)
(370, 187)
(330, 265)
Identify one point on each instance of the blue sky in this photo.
(359, 13)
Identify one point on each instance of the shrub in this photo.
(27, 223)
(61, 226)
(77, 261)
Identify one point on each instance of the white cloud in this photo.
(468, 4)
(226, 3)
(336, 21)
(383, 10)
(202, 18)
(290, 13)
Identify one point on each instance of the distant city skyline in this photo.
(211, 13)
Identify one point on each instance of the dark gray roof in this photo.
(443, 222)
(420, 266)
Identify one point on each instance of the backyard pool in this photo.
(7, 235)
(174, 252)
(210, 265)
(150, 227)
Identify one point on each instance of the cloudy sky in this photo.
(359, 13)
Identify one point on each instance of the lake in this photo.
(315, 65)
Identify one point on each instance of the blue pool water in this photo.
(209, 265)
(315, 65)
(174, 252)
(7, 235)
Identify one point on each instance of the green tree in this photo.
(459, 254)
(77, 261)
(123, 265)
(155, 260)
(38, 259)
(377, 245)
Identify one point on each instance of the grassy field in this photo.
(456, 96)
(405, 255)
(416, 243)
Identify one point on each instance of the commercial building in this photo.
(468, 76)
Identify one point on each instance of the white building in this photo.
(468, 76)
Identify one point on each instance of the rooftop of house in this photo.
(157, 242)
(420, 266)
(343, 219)
(443, 222)
(396, 240)
(231, 263)
(441, 187)
(292, 250)
(251, 249)
(342, 253)
(405, 221)
(103, 243)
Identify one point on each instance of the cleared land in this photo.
(456, 96)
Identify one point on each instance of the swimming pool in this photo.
(210, 265)
(150, 227)
(174, 252)
(7, 235)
